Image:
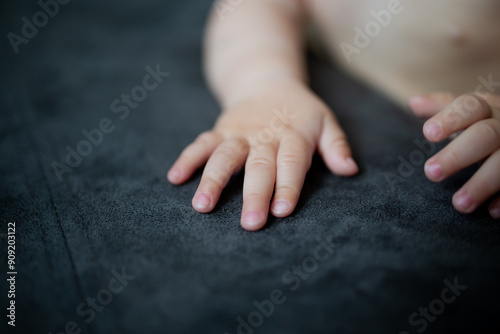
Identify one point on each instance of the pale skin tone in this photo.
(254, 64)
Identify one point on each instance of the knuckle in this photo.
(214, 181)
(340, 141)
(252, 196)
(288, 190)
(204, 139)
(470, 103)
(300, 143)
(289, 161)
(227, 151)
(489, 129)
(260, 163)
(240, 145)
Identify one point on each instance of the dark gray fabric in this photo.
(395, 244)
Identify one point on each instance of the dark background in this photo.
(197, 273)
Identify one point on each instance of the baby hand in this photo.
(478, 115)
(273, 131)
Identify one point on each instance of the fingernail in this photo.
(252, 218)
(433, 129)
(433, 170)
(463, 201)
(495, 213)
(281, 207)
(202, 201)
(174, 174)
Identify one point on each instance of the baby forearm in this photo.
(259, 41)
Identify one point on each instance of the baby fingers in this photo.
(258, 186)
(226, 159)
(477, 142)
(193, 157)
(460, 114)
(484, 184)
(478, 117)
(494, 208)
(293, 162)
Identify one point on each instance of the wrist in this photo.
(260, 85)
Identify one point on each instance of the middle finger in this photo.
(477, 142)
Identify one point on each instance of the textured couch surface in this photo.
(112, 247)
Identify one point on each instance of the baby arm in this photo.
(255, 66)
(478, 116)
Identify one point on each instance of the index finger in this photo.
(460, 114)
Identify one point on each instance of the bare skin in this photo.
(272, 123)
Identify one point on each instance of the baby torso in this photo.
(407, 47)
